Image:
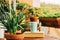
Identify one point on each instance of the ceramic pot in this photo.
(33, 26)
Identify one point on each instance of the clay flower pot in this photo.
(51, 22)
(17, 36)
(33, 19)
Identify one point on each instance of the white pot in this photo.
(1, 33)
(33, 26)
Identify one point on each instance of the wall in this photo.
(26, 1)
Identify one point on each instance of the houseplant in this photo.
(13, 21)
(51, 20)
(34, 23)
(33, 20)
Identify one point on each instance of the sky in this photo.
(51, 1)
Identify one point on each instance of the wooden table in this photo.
(54, 34)
(45, 38)
(2, 38)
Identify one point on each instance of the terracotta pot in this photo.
(17, 36)
(33, 19)
(51, 22)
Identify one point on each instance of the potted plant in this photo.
(51, 20)
(33, 24)
(33, 21)
(14, 22)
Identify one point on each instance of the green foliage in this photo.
(20, 6)
(55, 15)
(13, 21)
(46, 12)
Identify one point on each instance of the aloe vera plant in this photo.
(11, 20)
